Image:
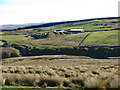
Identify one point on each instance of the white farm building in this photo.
(76, 30)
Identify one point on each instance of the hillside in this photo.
(87, 24)
(99, 32)
(50, 56)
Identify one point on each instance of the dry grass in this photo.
(61, 70)
(58, 60)
(88, 76)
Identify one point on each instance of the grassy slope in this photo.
(12, 37)
(109, 38)
(96, 38)
(87, 25)
(66, 40)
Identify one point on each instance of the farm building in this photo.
(76, 30)
(59, 31)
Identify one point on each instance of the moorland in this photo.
(38, 56)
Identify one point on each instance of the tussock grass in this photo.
(68, 76)
(50, 81)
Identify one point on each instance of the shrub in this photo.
(25, 50)
(10, 52)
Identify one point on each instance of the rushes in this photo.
(68, 76)
(19, 79)
(92, 83)
(50, 81)
(78, 81)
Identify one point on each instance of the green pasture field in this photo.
(12, 38)
(109, 38)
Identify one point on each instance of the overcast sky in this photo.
(36, 11)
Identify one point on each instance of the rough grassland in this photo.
(58, 60)
(86, 76)
(60, 71)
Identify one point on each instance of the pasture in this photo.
(107, 38)
(12, 38)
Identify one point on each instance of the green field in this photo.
(12, 38)
(108, 38)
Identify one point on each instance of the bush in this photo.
(10, 52)
(25, 50)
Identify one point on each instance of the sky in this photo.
(37, 11)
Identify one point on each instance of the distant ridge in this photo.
(15, 26)
(62, 22)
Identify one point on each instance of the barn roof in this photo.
(76, 29)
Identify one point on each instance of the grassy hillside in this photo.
(88, 24)
(107, 38)
(12, 38)
(95, 21)
(101, 38)
(104, 33)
